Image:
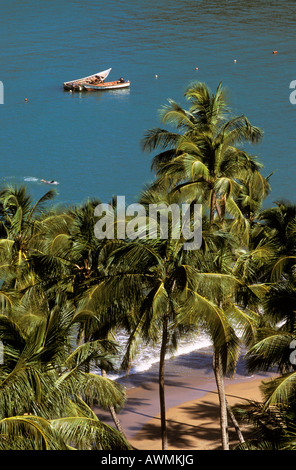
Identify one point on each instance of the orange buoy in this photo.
(196, 68)
(26, 99)
(274, 52)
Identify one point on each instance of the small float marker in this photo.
(156, 76)
(274, 52)
(26, 99)
(196, 68)
(234, 61)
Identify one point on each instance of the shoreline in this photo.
(191, 402)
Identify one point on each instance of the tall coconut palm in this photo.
(155, 280)
(223, 299)
(205, 159)
(144, 282)
(204, 162)
(209, 307)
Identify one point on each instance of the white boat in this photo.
(96, 82)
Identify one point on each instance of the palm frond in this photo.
(280, 390)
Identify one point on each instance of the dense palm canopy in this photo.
(44, 381)
(43, 384)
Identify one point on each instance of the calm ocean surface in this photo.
(90, 143)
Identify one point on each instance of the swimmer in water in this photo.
(49, 182)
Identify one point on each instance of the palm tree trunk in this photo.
(161, 382)
(218, 371)
(114, 414)
(116, 421)
(235, 424)
(223, 207)
(220, 207)
(212, 206)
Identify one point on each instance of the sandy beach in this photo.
(191, 401)
(194, 425)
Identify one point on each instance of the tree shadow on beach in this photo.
(199, 428)
(150, 382)
(184, 435)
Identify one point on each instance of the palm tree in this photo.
(273, 348)
(160, 286)
(223, 299)
(273, 428)
(61, 257)
(143, 287)
(20, 219)
(43, 382)
(69, 260)
(279, 224)
(209, 309)
(203, 160)
(273, 419)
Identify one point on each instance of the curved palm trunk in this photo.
(114, 414)
(116, 421)
(218, 371)
(235, 424)
(164, 438)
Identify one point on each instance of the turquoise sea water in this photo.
(90, 143)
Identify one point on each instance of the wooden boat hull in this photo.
(96, 83)
(107, 86)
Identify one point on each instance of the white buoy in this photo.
(156, 76)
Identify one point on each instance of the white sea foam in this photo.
(31, 178)
(148, 356)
